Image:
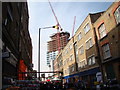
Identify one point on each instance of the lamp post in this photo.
(39, 54)
(56, 27)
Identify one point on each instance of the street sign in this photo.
(99, 76)
(5, 54)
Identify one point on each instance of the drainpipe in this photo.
(19, 35)
(0, 48)
(99, 60)
(76, 65)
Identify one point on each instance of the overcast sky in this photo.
(40, 15)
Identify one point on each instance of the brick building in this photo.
(94, 48)
(16, 40)
(108, 35)
(79, 62)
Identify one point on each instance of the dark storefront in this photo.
(9, 70)
(88, 75)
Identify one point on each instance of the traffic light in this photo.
(56, 27)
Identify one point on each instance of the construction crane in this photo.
(57, 26)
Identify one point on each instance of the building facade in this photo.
(16, 40)
(79, 62)
(68, 56)
(58, 65)
(94, 49)
(108, 35)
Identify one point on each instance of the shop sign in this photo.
(5, 54)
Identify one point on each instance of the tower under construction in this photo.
(52, 45)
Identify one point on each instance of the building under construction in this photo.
(55, 43)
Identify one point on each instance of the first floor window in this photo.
(91, 60)
(82, 64)
(73, 68)
(106, 51)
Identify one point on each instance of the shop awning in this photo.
(87, 72)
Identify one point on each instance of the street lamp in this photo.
(39, 54)
(56, 27)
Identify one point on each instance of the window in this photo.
(78, 64)
(91, 60)
(63, 53)
(79, 36)
(66, 51)
(65, 71)
(102, 30)
(81, 50)
(64, 62)
(72, 68)
(82, 64)
(70, 46)
(117, 15)
(87, 28)
(76, 50)
(106, 51)
(71, 57)
(89, 43)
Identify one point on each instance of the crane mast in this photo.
(58, 27)
(73, 26)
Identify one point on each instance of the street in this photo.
(60, 45)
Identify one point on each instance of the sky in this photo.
(40, 15)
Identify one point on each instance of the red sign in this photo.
(22, 68)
